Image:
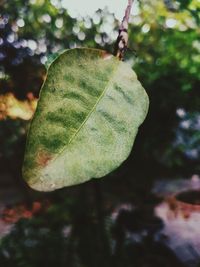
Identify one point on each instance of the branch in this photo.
(122, 39)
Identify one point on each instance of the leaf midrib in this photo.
(89, 114)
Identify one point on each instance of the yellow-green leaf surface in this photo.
(87, 117)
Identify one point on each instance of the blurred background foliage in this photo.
(164, 50)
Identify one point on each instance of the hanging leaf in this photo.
(87, 117)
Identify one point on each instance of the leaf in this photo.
(51, 58)
(87, 117)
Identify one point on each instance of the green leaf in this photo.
(87, 117)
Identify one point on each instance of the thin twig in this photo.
(122, 39)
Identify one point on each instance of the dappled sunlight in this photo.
(181, 229)
(11, 107)
(180, 214)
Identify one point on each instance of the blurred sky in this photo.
(88, 7)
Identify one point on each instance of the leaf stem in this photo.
(122, 39)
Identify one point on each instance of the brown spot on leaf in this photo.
(43, 157)
(106, 55)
